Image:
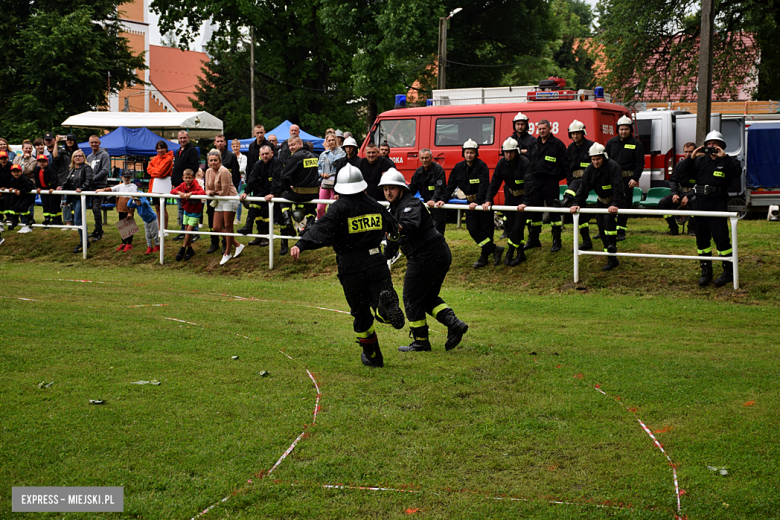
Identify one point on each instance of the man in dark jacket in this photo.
(511, 170)
(263, 181)
(628, 152)
(372, 166)
(714, 171)
(428, 260)
(547, 170)
(680, 187)
(184, 159)
(605, 177)
(301, 183)
(472, 176)
(578, 158)
(229, 160)
(100, 162)
(253, 154)
(430, 181)
(354, 226)
(284, 149)
(525, 141)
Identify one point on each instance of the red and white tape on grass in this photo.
(657, 444)
(288, 450)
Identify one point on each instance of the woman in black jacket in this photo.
(79, 179)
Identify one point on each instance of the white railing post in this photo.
(734, 251)
(270, 235)
(576, 241)
(84, 237)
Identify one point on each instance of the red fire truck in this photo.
(487, 120)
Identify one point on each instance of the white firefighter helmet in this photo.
(509, 145)
(598, 149)
(625, 120)
(393, 177)
(520, 117)
(469, 145)
(716, 136)
(349, 181)
(349, 141)
(577, 126)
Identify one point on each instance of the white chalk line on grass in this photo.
(288, 450)
(17, 298)
(80, 281)
(657, 444)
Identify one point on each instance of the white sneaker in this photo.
(166, 234)
(236, 221)
(395, 258)
(238, 250)
(2, 240)
(2, 228)
(25, 229)
(225, 259)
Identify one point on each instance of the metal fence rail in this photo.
(271, 236)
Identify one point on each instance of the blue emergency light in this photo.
(428, 102)
(598, 92)
(400, 101)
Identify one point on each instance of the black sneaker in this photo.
(262, 242)
(213, 247)
(390, 310)
(95, 238)
(180, 254)
(179, 237)
(195, 238)
(189, 254)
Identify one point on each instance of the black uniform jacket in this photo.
(550, 158)
(430, 183)
(45, 178)
(417, 230)
(5, 175)
(472, 180)
(717, 173)
(264, 179)
(578, 158)
(21, 203)
(253, 154)
(526, 141)
(284, 150)
(512, 174)
(354, 226)
(183, 159)
(679, 180)
(629, 154)
(372, 173)
(606, 181)
(301, 171)
(230, 162)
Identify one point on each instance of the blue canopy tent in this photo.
(282, 133)
(130, 141)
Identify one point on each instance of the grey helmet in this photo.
(716, 136)
(349, 181)
(393, 177)
(339, 133)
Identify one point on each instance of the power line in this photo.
(480, 65)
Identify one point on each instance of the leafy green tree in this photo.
(57, 60)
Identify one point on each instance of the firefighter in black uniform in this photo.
(354, 226)
(511, 170)
(628, 152)
(472, 177)
(429, 180)
(605, 177)
(22, 196)
(547, 170)
(714, 171)
(525, 141)
(680, 187)
(578, 156)
(301, 183)
(263, 181)
(428, 260)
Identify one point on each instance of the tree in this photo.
(60, 61)
(653, 44)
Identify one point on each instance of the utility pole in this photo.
(442, 73)
(704, 101)
(252, 77)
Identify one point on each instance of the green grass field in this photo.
(506, 426)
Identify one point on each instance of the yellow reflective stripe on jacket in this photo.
(474, 181)
(629, 146)
(719, 174)
(311, 162)
(550, 158)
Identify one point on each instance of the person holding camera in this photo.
(714, 171)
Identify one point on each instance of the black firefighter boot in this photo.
(285, 248)
(586, 244)
(482, 261)
(455, 328)
(420, 343)
(533, 238)
(612, 261)
(706, 271)
(214, 244)
(520, 258)
(510, 253)
(673, 230)
(497, 252)
(371, 355)
(251, 215)
(556, 245)
(727, 276)
(389, 310)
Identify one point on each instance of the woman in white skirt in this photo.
(219, 182)
(159, 169)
